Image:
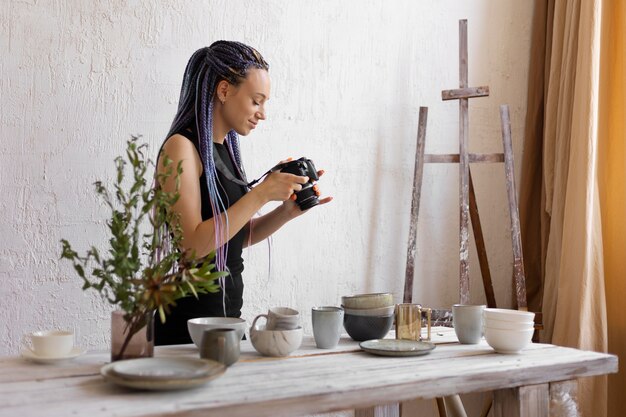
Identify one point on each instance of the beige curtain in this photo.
(572, 197)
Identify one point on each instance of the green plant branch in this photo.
(130, 275)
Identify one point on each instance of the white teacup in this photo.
(50, 343)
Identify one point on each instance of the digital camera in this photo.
(306, 197)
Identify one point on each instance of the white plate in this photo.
(162, 368)
(161, 384)
(31, 356)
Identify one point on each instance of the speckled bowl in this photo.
(373, 300)
(362, 328)
(382, 311)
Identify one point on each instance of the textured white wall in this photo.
(77, 78)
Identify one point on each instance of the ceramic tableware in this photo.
(274, 342)
(508, 315)
(382, 311)
(221, 345)
(509, 325)
(327, 326)
(177, 367)
(198, 325)
(31, 356)
(468, 322)
(161, 368)
(281, 318)
(508, 341)
(49, 343)
(362, 328)
(394, 347)
(371, 300)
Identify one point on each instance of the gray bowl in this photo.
(362, 328)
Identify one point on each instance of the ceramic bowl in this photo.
(508, 341)
(508, 315)
(382, 311)
(198, 325)
(361, 328)
(373, 300)
(275, 342)
(508, 325)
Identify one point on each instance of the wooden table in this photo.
(311, 381)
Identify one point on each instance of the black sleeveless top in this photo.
(174, 331)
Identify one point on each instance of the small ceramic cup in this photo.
(49, 343)
(468, 323)
(327, 325)
(281, 318)
(221, 345)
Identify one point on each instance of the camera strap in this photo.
(223, 169)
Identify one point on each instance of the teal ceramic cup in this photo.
(327, 326)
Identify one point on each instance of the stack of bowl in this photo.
(368, 316)
(508, 331)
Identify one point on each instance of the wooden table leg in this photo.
(563, 397)
(527, 401)
(385, 410)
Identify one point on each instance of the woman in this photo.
(225, 89)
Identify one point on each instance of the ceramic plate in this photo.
(162, 368)
(160, 383)
(393, 347)
(31, 356)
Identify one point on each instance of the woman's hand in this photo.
(280, 186)
(292, 210)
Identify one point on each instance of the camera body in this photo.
(306, 197)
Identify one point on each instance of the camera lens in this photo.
(306, 197)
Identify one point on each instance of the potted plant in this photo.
(143, 271)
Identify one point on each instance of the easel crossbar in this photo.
(473, 158)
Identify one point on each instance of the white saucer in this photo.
(31, 356)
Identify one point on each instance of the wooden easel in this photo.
(467, 203)
(467, 197)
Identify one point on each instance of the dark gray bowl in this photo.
(362, 328)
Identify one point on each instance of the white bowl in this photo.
(198, 325)
(370, 312)
(508, 341)
(275, 342)
(508, 325)
(508, 315)
(372, 300)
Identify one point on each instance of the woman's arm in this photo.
(198, 235)
(260, 228)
